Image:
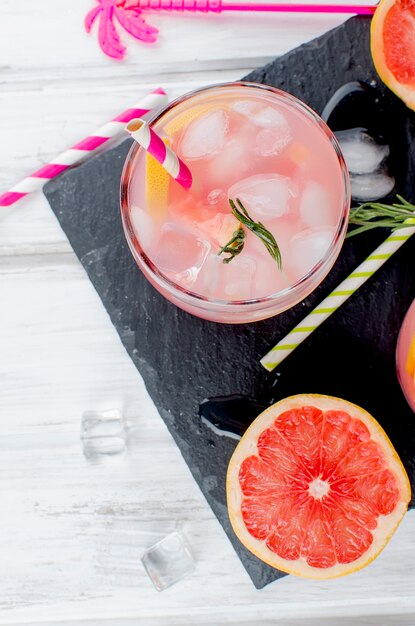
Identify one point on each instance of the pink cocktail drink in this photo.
(245, 143)
(405, 356)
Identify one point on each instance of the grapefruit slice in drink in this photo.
(157, 185)
(392, 42)
(185, 118)
(315, 487)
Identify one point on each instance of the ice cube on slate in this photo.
(361, 152)
(308, 247)
(315, 206)
(168, 561)
(180, 254)
(205, 136)
(367, 187)
(263, 195)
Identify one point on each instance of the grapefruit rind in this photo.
(386, 524)
(410, 363)
(405, 92)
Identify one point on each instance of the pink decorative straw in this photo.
(84, 148)
(154, 145)
(130, 16)
(217, 6)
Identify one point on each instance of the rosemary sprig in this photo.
(371, 215)
(234, 245)
(257, 229)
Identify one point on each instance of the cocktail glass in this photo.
(405, 356)
(273, 151)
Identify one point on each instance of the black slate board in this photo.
(184, 359)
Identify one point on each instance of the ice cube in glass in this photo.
(264, 196)
(205, 136)
(316, 207)
(238, 277)
(309, 247)
(144, 227)
(180, 254)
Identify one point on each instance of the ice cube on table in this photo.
(180, 254)
(168, 561)
(367, 187)
(316, 209)
(265, 196)
(205, 136)
(308, 248)
(143, 227)
(103, 433)
(361, 152)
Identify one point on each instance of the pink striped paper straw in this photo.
(63, 161)
(154, 145)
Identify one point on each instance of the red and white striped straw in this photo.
(154, 145)
(79, 151)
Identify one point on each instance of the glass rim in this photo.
(175, 288)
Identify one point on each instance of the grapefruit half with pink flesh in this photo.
(315, 487)
(392, 43)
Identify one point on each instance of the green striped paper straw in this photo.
(336, 298)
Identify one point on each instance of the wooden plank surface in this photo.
(71, 532)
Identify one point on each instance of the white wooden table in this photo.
(71, 533)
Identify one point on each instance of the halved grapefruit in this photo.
(392, 43)
(315, 487)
